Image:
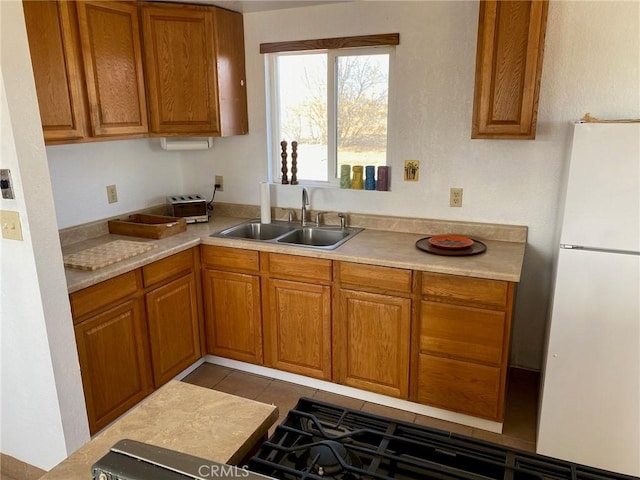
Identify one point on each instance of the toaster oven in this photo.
(193, 208)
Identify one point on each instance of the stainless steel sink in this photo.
(315, 237)
(256, 230)
(326, 238)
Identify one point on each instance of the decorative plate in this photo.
(476, 248)
(451, 242)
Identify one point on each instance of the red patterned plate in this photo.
(451, 242)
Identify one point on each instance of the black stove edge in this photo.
(583, 472)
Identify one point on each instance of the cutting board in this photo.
(106, 254)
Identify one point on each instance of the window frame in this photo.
(273, 114)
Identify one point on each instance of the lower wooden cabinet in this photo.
(372, 328)
(174, 330)
(233, 315)
(232, 303)
(441, 340)
(135, 332)
(114, 360)
(298, 326)
(463, 344)
(371, 342)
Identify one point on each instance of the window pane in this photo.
(362, 83)
(302, 90)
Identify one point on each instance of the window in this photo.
(334, 103)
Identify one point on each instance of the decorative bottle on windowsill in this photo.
(370, 181)
(345, 176)
(357, 182)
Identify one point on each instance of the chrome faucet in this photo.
(305, 205)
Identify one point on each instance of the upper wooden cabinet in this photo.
(57, 69)
(508, 68)
(195, 70)
(110, 36)
(90, 76)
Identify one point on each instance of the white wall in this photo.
(143, 175)
(591, 64)
(41, 400)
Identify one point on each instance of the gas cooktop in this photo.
(321, 441)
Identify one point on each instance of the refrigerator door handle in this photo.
(571, 247)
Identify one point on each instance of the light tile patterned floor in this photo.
(519, 430)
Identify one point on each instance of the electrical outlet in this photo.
(219, 182)
(455, 197)
(112, 194)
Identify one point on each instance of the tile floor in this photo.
(519, 430)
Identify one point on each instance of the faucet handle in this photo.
(319, 217)
(343, 220)
(291, 216)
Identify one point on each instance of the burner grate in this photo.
(380, 448)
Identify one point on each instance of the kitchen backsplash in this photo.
(486, 231)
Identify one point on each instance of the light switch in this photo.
(5, 183)
(10, 224)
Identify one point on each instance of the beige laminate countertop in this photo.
(183, 417)
(502, 261)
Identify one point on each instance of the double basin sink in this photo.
(280, 232)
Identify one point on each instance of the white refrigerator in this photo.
(590, 398)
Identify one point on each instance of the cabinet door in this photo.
(172, 316)
(114, 362)
(113, 67)
(232, 89)
(57, 68)
(371, 342)
(508, 68)
(233, 319)
(180, 68)
(299, 328)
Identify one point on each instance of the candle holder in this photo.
(294, 162)
(283, 144)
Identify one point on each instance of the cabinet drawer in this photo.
(375, 277)
(167, 267)
(102, 294)
(300, 268)
(480, 291)
(226, 258)
(459, 386)
(462, 332)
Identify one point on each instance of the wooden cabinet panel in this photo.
(233, 315)
(467, 290)
(508, 68)
(461, 386)
(114, 362)
(181, 69)
(57, 68)
(374, 277)
(172, 316)
(371, 342)
(299, 268)
(112, 54)
(225, 258)
(299, 328)
(167, 267)
(462, 332)
(232, 89)
(97, 296)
